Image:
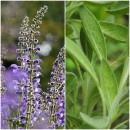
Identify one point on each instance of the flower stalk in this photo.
(30, 66)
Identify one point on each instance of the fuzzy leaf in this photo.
(108, 84)
(75, 52)
(116, 101)
(93, 32)
(114, 31)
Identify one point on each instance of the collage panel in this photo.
(32, 65)
(64, 64)
(97, 85)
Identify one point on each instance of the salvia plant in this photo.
(34, 105)
(55, 97)
(97, 65)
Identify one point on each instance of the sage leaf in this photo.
(93, 32)
(75, 52)
(108, 84)
(114, 31)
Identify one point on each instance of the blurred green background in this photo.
(52, 31)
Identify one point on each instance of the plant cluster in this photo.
(34, 105)
(97, 64)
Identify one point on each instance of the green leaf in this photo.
(71, 8)
(92, 102)
(70, 66)
(125, 73)
(92, 94)
(76, 26)
(114, 31)
(85, 45)
(117, 63)
(100, 3)
(122, 110)
(71, 82)
(108, 84)
(69, 29)
(120, 125)
(119, 8)
(76, 121)
(116, 101)
(75, 52)
(98, 122)
(93, 32)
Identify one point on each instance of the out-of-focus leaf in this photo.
(71, 8)
(74, 120)
(108, 84)
(114, 31)
(93, 32)
(70, 66)
(71, 82)
(76, 26)
(119, 8)
(98, 122)
(122, 125)
(119, 59)
(75, 52)
(69, 30)
(99, 3)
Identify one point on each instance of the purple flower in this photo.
(55, 98)
(27, 83)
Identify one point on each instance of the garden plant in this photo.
(33, 107)
(97, 89)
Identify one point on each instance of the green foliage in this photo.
(95, 122)
(93, 32)
(71, 82)
(97, 85)
(71, 48)
(108, 84)
(112, 30)
(119, 8)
